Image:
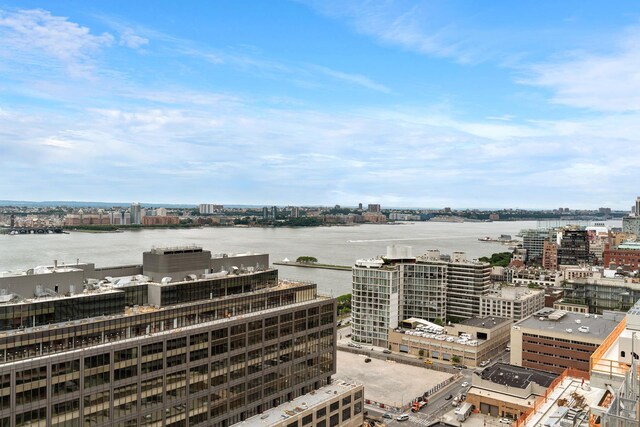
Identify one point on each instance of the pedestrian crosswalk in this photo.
(419, 420)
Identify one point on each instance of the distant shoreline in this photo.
(322, 266)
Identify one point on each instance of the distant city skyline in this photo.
(317, 103)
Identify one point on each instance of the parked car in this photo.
(367, 360)
(402, 417)
(505, 421)
(386, 351)
(387, 415)
(465, 384)
(449, 397)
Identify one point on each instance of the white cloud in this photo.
(36, 36)
(413, 26)
(601, 82)
(356, 79)
(130, 39)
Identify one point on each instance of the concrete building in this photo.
(373, 208)
(554, 340)
(469, 343)
(467, 282)
(201, 349)
(399, 286)
(511, 302)
(503, 390)
(603, 293)
(374, 301)
(533, 242)
(631, 225)
(338, 404)
(135, 214)
(209, 208)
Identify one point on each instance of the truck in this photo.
(463, 412)
(417, 405)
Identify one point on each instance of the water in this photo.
(330, 245)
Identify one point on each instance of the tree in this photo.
(344, 304)
(307, 260)
(438, 321)
(455, 359)
(421, 353)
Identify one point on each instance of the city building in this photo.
(135, 214)
(626, 256)
(209, 208)
(193, 339)
(467, 281)
(160, 220)
(554, 340)
(399, 286)
(603, 293)
(469, 342)
(631, 224)
(533, 242)
(374, 208)
(511, 302)
(574, 248)
(503, 390)
(338, 404)
(550, 255)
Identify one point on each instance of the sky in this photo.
(467, 104)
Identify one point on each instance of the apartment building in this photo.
(554, 340)
(511, 302)
(574, 248)
(207, 348)
(400, 286)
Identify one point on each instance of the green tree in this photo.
(307, 259)
(421, 353)
(344, 304)
(438, 321)
(455, 359)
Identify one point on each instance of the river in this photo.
(330, 245)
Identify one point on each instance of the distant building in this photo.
(295, 212)
(265, 212)
(360, 206)
(533, 243)
(550, 255)
(574, 248)
(135, 214)
(274, 212)
(209, 209)
(375, 208)
(375, 217)
(626, 256)
(631, 224)
(637, 207)
(494, 217)
(160, 220)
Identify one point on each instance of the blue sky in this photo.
(404, 103)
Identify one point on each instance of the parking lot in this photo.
(390, 383)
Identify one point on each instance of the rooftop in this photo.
(486, 322)
(559, 321)
(300, 404)
(516, 376)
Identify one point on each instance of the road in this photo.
(437, 406)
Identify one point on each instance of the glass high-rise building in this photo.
(206, 344)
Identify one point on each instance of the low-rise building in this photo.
(554, 340)
(511, 302)
(338, 404)
(507, 391)
(468, 343)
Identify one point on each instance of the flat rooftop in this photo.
(599, 326)
(486, 322)
(516, 376)
(300, 404)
